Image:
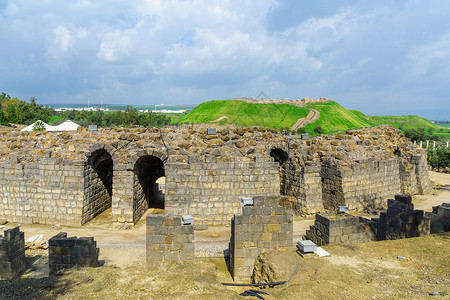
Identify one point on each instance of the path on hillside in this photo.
(312, 117)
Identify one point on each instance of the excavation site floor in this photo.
(362, 270)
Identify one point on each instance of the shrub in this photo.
(39, 126)
(439, 157)
(318, 130)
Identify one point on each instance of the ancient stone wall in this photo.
(211, 191)
(98, 176)
(340, 229)
(439, 218)
(168, 240)
(303, 187)
(46, 192)
(421, 170)
(262, 227)
(369, 183)
(70, 252)
(401, 220)
(123, 194)
(332, 190)
(12, 254)
(69, 178)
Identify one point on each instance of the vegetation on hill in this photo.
(335, 117)
(245, 114)
(128, 117)
(15, 111)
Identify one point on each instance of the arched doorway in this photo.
(279, 155)
(282, 157)
(147, 192)
(98, 184)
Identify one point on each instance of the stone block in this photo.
(306, 246)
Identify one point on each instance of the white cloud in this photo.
(63, 38)
(223, 48)
(428, 56)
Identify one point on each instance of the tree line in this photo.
(15, 111)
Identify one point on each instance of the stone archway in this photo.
(98, 184)
(146, 192)
(281, 156)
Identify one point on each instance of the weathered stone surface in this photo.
(56, 177)
(12, 254)
(71, 252)
(262, 227)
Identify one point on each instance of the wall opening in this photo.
(279, 155)
(98, 187)
(148, 187)
(282, 157)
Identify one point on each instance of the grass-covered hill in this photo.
(245, 114)
(333, 116)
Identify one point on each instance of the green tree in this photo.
(39, 126)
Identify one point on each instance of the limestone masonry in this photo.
(69, 178)
(68, 252)
(12, 254)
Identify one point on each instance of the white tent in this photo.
(66, 126)
(30, 127)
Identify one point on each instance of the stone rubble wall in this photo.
(211, 191)
(369, 183)
(48, 192)
(340, 229)
(168, 240)
(303, 187)
(421, 170)
(71, 252)
(46, 177)
(97, 197)
(123, 210)
(439, 218)
(332, 186)
(401, 220)
(12, 254)
(262, 227)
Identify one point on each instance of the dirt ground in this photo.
(124, 273)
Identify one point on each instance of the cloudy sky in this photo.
(380, 57)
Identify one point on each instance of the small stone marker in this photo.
(306, 246)
(343, 209)
(211, 131)
(247, 201)
(187, 219)
(92, 127)
(305, 136)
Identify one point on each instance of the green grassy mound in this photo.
(335, 117)
(245, 114)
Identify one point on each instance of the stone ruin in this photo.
(168, 240)
(12, 254)
(439, 218)
(69, 178)
(69, 252)
(263, 226)
(399, 221)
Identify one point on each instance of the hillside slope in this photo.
(245, 114)
(333, 116)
